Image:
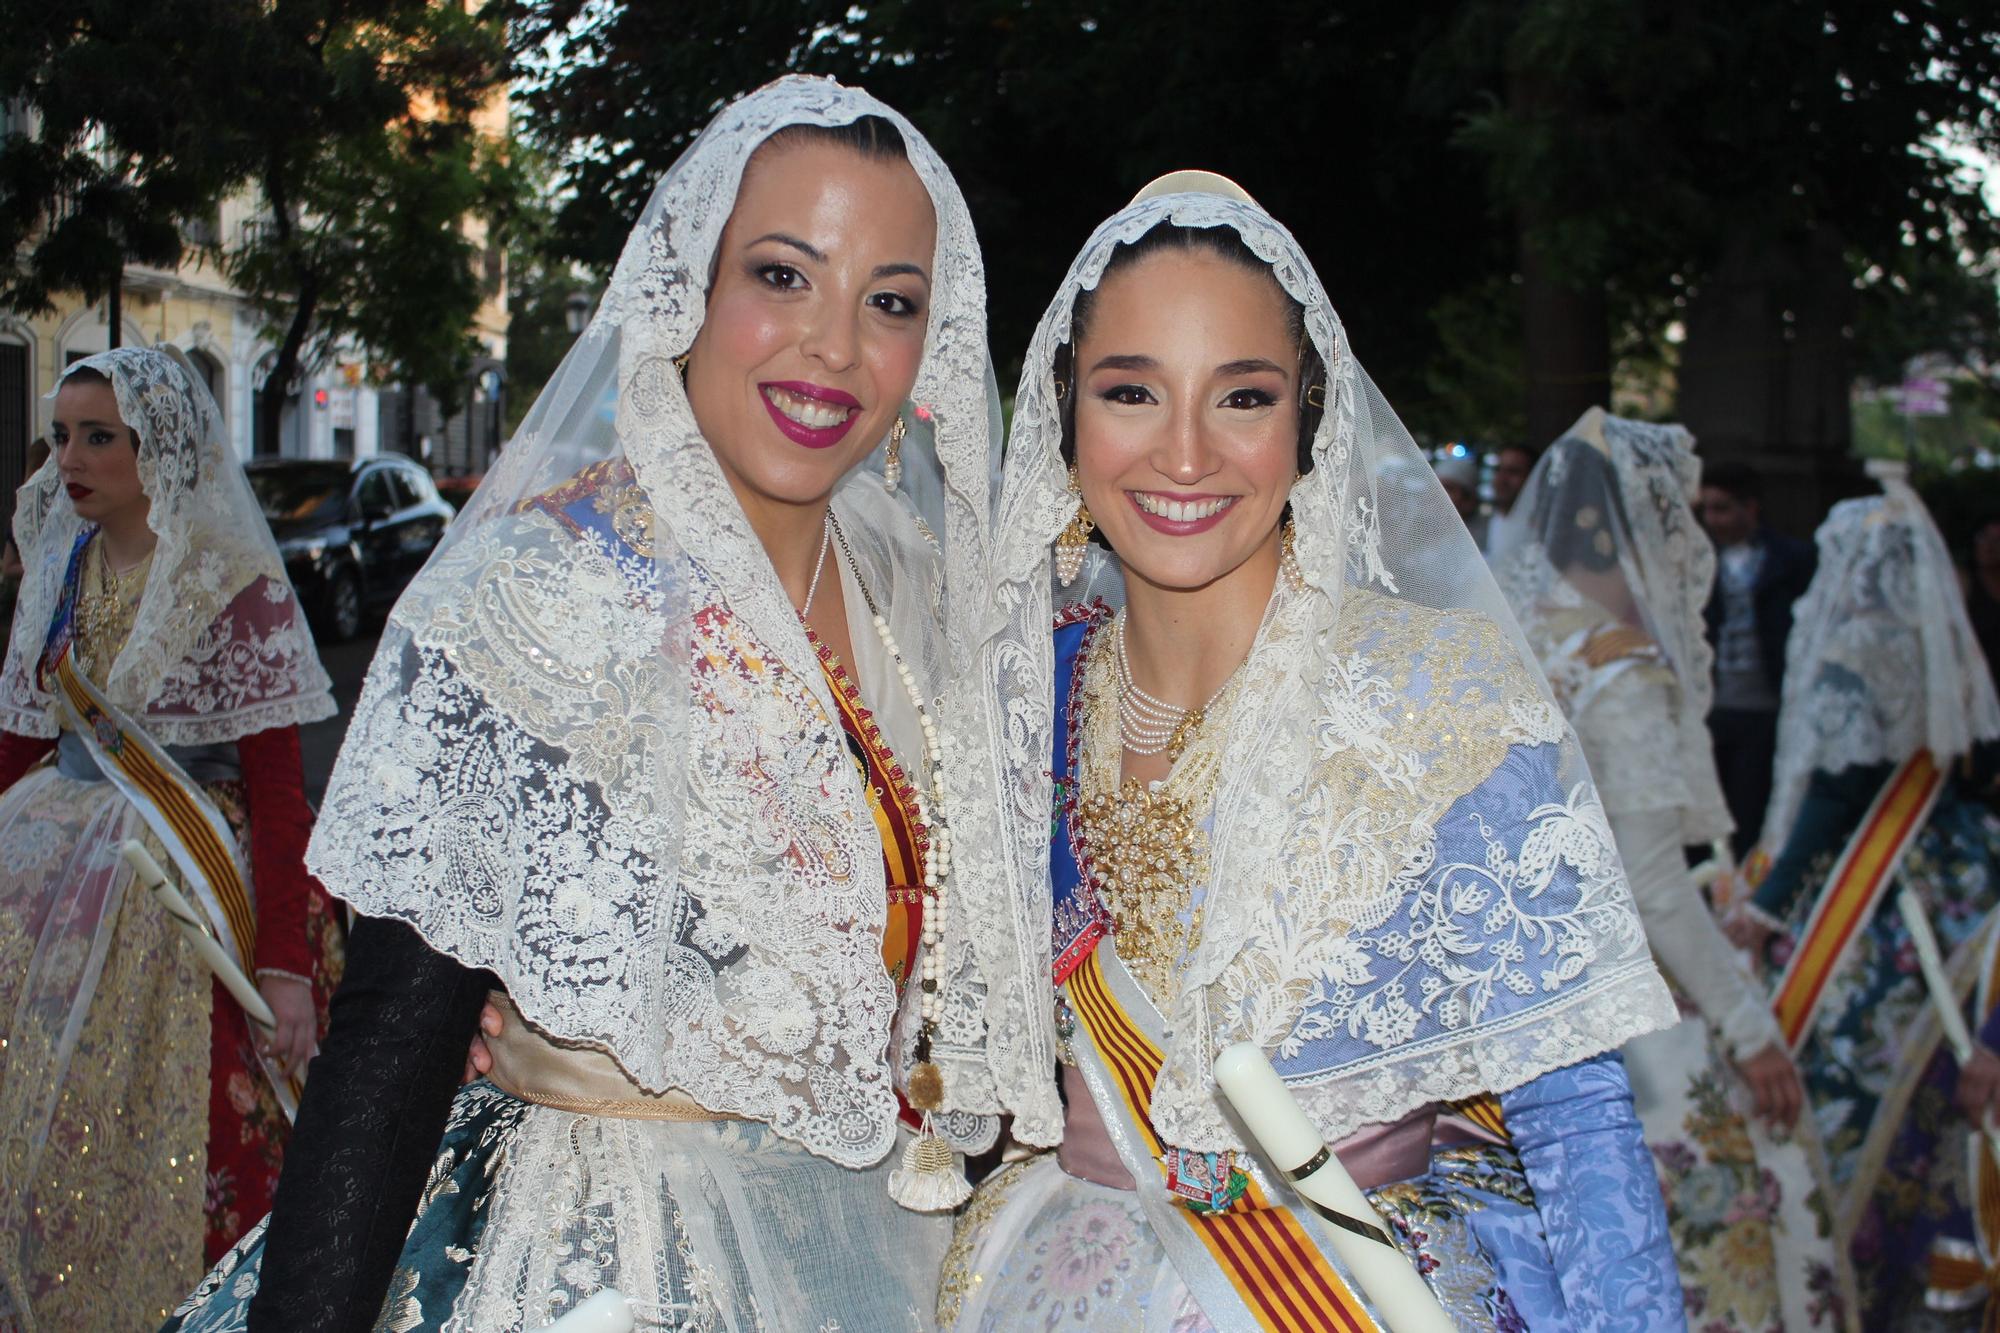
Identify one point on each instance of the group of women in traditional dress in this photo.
(801, 812)
(1875, 1207)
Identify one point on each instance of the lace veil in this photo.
(1608, 525)
(595, 753)
(1882, 660)
(219, 647)
(1297, 879)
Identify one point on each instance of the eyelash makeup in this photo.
(787, 278)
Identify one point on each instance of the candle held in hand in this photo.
(606, 1312)
(1358, 1235)
(206, 946)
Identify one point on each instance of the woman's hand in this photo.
(478, 1059)
(295, 1040)
(1747, 932)
(1775, 1088)
(1979, 1086)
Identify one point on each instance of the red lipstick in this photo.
(77, 492)
(812, 437)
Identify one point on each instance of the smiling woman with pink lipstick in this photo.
(652, 757)
(1309, 793)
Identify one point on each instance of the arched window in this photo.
(288, 424)
(211, 374)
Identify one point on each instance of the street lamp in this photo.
(576, 311)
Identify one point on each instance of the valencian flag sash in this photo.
(1965, 1274)
(181, 816)
(1854, 889)
(1256, 1263)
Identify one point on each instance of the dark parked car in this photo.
(353, 534)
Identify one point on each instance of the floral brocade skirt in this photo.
(1880, 1082)
(710, 1225)
(1747, 1208)
(1040, 1251)
(138, 1137)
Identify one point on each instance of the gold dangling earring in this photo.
(681, 365)
(1288, 556)
(892, 463)
(1070, 545)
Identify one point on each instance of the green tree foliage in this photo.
(1051, 116)
(351, 119)
(114, 167)
(1638, 143)
(359, 115)
(1417, 151)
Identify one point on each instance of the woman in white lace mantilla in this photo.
(1884, 758)
(653, 743)
(1609, 583)
(158, 673)
(1308, 792)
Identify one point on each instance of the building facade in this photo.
(337, 409)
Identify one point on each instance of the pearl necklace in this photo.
(1147, 724)
(926, 1082)
(819, 565)
(928, 1180)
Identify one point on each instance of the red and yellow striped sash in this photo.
(1965, 1274)
(1276, 1269)
(1483, 1111)
(892, 801)
(1853, 890)
(196, 836)
(1962, 1275)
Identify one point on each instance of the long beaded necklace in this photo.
(927, 1179)
(819, 565)
(1148, 724)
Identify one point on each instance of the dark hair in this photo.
(870, 136)
(1738, 479)
(874, 137)
(1534, 454)
(1223, 243)
(92, 375)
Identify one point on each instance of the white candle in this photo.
(1930, 960)
(606, 1312)
(212, 953)
(1290, 1141)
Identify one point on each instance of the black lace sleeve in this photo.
(375, 1107)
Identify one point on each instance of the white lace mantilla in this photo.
(1356, 743)
(596, 752)
(1882, 660)
(508, 811)
(1385, 958)
(219, 647)
(1614, 571)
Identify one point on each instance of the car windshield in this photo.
(294, 493)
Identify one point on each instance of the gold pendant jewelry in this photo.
(926, 1090)
(1070, 545)
(892, 464)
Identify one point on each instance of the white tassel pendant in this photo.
(929, 1180)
